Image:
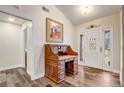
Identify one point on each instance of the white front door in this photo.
(92, 46)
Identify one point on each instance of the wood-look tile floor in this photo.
(87, 77)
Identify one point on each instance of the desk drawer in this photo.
(61, 76)
(60, 71)
(61, 67)
(62, 62)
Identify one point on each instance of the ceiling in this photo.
(74, 14)
(5, 17)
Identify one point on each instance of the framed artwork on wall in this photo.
(54, 31)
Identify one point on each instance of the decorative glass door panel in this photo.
(107, 49)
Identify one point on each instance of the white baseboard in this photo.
(80, 63)
(112, 70)
(21, 65)
(34, 77)
(29, 72)
(115, 71)
(122, 84)
(10, 67)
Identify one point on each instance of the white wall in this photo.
(38, 17)
(10, 45)
(114, 21)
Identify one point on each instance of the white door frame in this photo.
(103, 28)
(30, 72)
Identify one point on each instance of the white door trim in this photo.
(102, 28)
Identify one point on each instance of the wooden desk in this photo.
(56, 66)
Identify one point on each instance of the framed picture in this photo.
(54, 31)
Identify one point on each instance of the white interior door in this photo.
(92, 44)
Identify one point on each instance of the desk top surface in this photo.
(66, 57)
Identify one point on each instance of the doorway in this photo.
(96, 48)
(16, 42)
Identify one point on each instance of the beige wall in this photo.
(114, 21)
